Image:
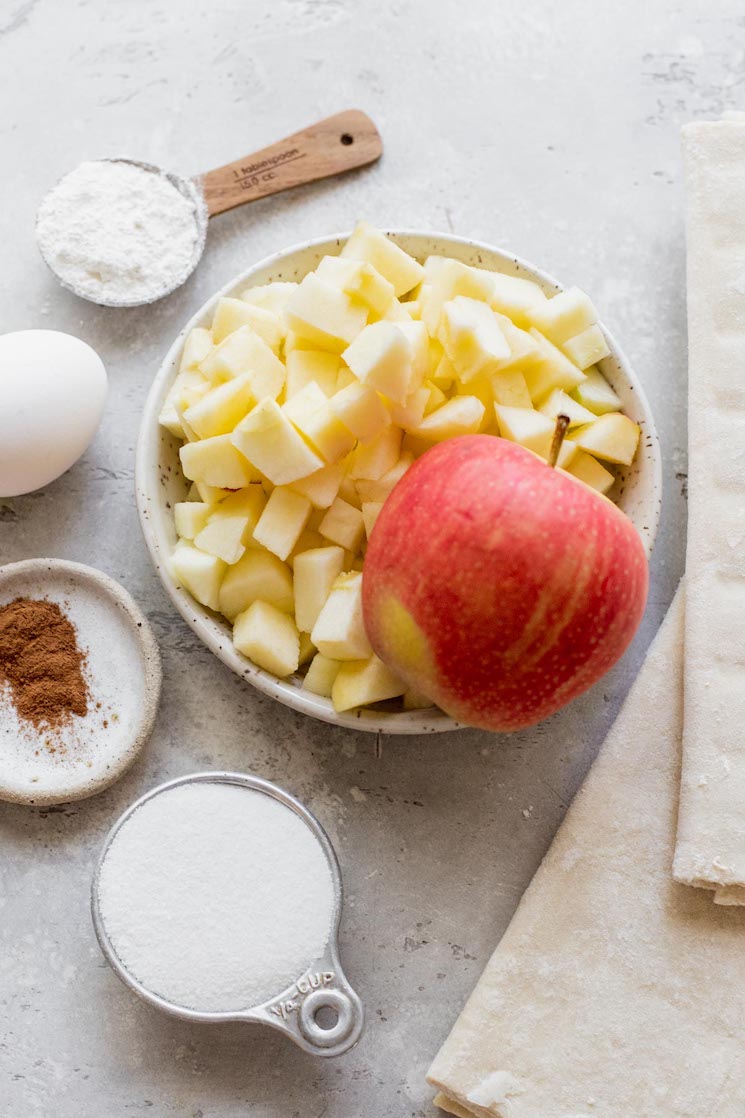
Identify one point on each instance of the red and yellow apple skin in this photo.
(499, 587)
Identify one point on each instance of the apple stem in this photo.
(562, 425)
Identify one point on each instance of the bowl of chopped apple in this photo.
(292, 403)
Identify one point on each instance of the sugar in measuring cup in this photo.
(217, 897)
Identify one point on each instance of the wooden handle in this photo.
(338, 143)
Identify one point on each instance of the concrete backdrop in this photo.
(549, 129)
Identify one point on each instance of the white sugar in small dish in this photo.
(123, 675)
(217, 897)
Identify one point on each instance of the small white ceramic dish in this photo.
(123, 673)
(160, 483)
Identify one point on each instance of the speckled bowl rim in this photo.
(152, 674)
(213, 631)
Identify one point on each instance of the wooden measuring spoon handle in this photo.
(338, 143)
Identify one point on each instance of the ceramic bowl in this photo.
(160, 483)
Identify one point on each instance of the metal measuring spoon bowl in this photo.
(319, 1011)
(70, 248)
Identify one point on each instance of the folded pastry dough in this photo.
(711, 831)
(615, 992)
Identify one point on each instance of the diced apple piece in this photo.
(587, 469)
(339, 633)
(586, 348)
(217, 462)
(612, 437)
(307, 648)
(343, 525)
(319, 679)
(348, 490)
(472, 337)
(595, 394)
(259, 575)
(373, 459)
(358, 279)
(524, 349)
(444, 373)
(268, 440)
(310, 412)
(360, 409)
(345, 378)
(527, 427)
(250, 503)
(564, 315)
(175, 401)
(413, 700)
(381, 356)
(411, 413)
(189, 397)
(510, 389)
(394, 312)
(309, 540)
(209, 494)
(199, 573)
(460, 416)
(283, 519)
(244, 353)
(436, 397)
(444, 279)
(361, 682)
(551, 370)
(314, 573)
(196, 347)
(370, 513)
(228, 530)
(412, 444)
(417, 334)
(395, 265)
(269, 637)
(321, 487)
(271, 296)
(324, 315)
(379, 490)
(231, 314)
(559, 403)
(220, 409)
(305, 366)
(516, 297)
(223, 536)
(189, 517)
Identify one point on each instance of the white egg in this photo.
(52, 393)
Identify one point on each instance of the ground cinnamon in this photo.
(41, 661)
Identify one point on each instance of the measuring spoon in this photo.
(298, 1011)
(332, 146)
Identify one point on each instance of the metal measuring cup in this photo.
(338, 143)
(297, 1011)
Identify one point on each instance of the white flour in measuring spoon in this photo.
(119, 233)
(215, 896)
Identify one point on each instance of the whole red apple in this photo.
(499, 587)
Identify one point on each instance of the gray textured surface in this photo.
(552, 130)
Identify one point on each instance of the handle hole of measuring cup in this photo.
(326, 1017)
(331, 1007)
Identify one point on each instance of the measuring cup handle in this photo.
(341, 1036)
(338, 143)
(297, 1016)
